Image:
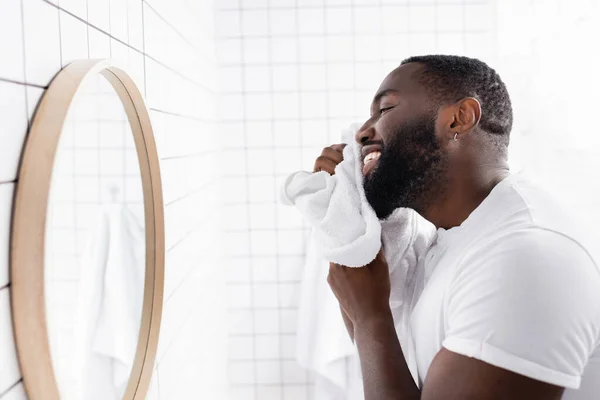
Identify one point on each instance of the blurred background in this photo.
(242, 93)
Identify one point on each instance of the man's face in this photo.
(403, 162)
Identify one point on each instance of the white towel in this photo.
(347, 231)
(346, 227)
(322, 345)
(110, 305)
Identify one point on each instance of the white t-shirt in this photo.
(515, 287)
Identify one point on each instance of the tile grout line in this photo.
(10, 388)
(181, 35)
(162, 64)
(23, 83)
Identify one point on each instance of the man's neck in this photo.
(467, 188)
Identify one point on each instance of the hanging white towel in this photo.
(322, 345)
(110, 308)
(346, 230)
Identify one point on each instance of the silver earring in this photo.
(455, 135)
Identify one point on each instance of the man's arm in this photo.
(385, 372)
(364, 295)
(348, 323)
(452, 376)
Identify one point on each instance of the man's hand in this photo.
(364, 292)
(330, 157)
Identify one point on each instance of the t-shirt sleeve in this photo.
(528, 303)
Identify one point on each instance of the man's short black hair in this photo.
(450, 78)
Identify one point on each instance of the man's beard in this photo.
(410, 171)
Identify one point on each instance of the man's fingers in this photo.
(333, 154)
(338, 147)
(325, 164)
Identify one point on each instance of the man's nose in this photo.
(365, 133)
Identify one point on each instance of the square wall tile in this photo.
(450, 17)
(367, 20)
(256, 78)
(259, 133)
(11, 49)
(286, 133)
(241, 372)
(394, 19)
(228, 23)
(289, 321)
(267, 347)
(262, 216)
(310, 21)
(269, 392)
(73, 38)
(266, 321)
(288, 346)
(338, 20)
(283, 50)
(99, 44)
(42, 41)
(264, 269)
(240, 322)
(283, 22)
(256, 50)
(241, 348)
(422, 18)
(13, 114)
(99, 14)
(255, 22)
(229, 51)
(265, 295)
(263, 243)
(286, 105)
(119, 20)
(240, 296)
(268, 372)
(135, 25)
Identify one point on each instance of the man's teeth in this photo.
(371, 156)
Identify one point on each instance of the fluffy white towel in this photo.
(346, 227)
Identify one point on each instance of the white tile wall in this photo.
(168, 48)
(13, 113)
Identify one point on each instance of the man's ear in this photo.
(466, 116)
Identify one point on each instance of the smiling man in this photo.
(507, 301)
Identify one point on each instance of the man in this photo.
(510, 307)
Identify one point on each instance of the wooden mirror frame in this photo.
(29, 229)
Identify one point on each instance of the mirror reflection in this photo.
(95, 248)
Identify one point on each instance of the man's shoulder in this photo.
(525, 209)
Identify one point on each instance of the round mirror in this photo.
(88, 247)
